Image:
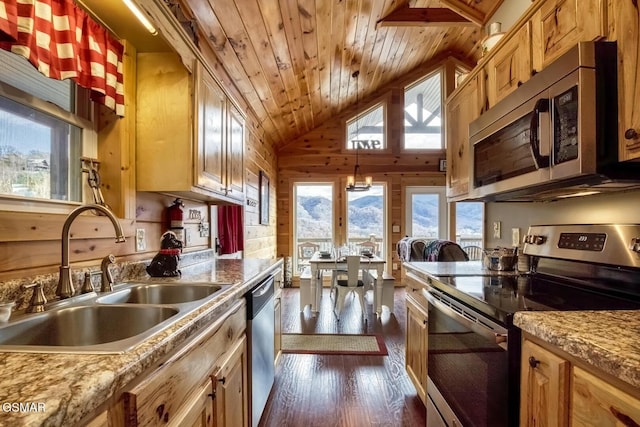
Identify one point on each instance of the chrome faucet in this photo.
(65, 287)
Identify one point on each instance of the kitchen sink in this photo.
(85, 328)
(149, 293)
(113, 322)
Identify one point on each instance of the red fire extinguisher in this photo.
(175, 215)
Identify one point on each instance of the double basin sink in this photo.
(107, 323)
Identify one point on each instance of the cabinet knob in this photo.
(222, 380)
(533, 362)
(630, 134)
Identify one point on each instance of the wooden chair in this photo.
(352, 283)
(305, 252)
(474, 252)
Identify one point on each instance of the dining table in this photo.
(320, 262)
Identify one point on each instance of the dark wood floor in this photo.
(343, 390)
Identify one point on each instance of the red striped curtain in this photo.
(63, 42)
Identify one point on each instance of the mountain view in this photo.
(366, 217)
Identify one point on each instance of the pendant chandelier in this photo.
(358, 182)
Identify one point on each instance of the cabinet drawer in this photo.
(161, 396)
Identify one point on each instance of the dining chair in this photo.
(305, 252)
(352, 283)
(371, 247)
(474, 252)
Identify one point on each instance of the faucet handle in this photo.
(107, 277)
(38, 300)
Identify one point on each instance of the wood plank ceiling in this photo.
(293, 60)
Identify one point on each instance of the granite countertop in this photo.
(608, 340)
(62, 389)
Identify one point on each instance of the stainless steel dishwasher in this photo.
(260, 331)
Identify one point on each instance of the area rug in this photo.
(370, 345)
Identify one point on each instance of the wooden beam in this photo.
(465, 10)
(406, 16)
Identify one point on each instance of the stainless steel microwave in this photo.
(554, 136)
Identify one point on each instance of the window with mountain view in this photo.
(366, 220)
(366, 130)
(423, 114)
(313, 221)
(469, 223)
(426, 212)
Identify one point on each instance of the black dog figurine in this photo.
(165, 263)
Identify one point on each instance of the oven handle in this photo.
(542, 106)
(468, 319)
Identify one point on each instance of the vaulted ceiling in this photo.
(293, 60)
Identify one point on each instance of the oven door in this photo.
(471, 379)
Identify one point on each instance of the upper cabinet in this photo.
(625, 28)
(559, 24)
(190, 138)
(510, 66)
(461, 109)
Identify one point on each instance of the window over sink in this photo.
(44, 132)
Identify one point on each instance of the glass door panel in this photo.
(366, 221)
(313, 221)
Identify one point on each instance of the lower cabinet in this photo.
(204, 383)
(417, 342)
(556, 391)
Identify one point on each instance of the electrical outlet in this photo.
(496, 230)
(141, 243)
(394, 266)
(515, 237)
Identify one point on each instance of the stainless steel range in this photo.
(474, 348)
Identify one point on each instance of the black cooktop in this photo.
(499, 297)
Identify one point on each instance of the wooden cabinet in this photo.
(597, 403)
(510, 66)
(230, 404)
(559, 24)
(625, 28)
(544, 387)
(220, 135)
(417, 341)
(277, 344)
(190, 138)
(461, 109)
(558, 390)
(179, 391)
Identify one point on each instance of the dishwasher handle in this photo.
(258, 296)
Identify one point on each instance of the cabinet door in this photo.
(235, 154)
(277, 344)
(559, 24)
(198, 411)
(510, 66)
(230, 408)
(417, 341)
(544, 387)
(626, 28)
(596, 403)
(460, 111)
(210, 152)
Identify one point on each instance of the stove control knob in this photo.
(534, 239)
(635, 244)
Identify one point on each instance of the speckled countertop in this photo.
(65, 388)
(608, 340)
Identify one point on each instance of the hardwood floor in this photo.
(343, 390)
